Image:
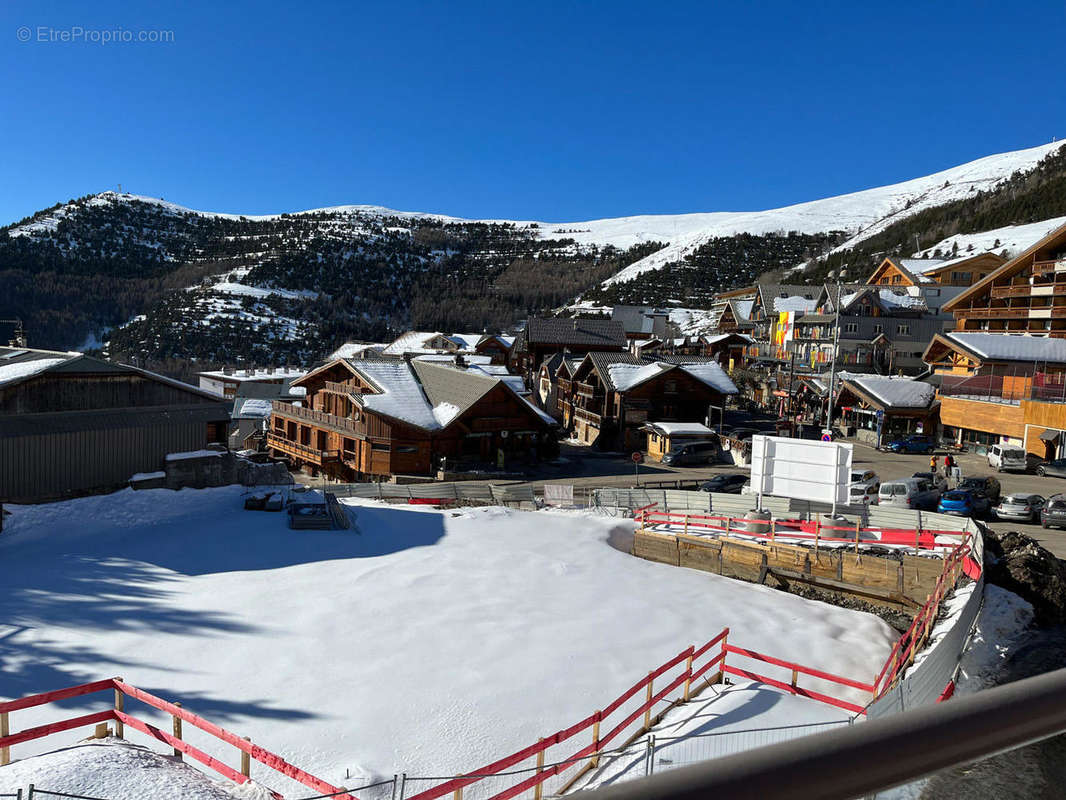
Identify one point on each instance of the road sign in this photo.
(637, 457)
(827, 437)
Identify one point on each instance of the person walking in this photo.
(932, 464)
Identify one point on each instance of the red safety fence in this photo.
(797, 530)
(118, 715)
(959, 561)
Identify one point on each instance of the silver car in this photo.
(1020, 507)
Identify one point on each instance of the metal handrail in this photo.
(908, 746)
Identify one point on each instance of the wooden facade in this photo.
(1025, 295)
(335, 433)
(962, 271)
(83, 425)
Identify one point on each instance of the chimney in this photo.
(227, 370)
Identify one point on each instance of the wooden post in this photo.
(647, 711)
(721, 666)
(246, 761)
(817, 534)
(177, 734)
(727, 521)
(686, 523)
(537, 790)
(688, 678)
(858, 526)
(120, 705)
(101, 731)
(773, 529)
(5, 730)
(795, 678)
(458, 793)
(595, 761)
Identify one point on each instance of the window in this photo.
(406, 448)
(934, 310)
(851, 327)
(903, 330)
(380, 447)
(879, 328)
(933, 292)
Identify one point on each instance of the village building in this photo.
(358, 350)
(665, 436)
(224, 382)
(610, 396)
(415, 343)
(375, 419)
(876, 408)
(543, 337)
(1002, 371)
(71, 424)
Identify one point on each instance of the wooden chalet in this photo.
(879, 407)
(72, 424)
(963, 270)
(416, 343)
(609, 396)
(541, 338)
(1001, 389)
(1025, 295)
(372, 419)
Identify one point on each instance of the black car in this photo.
(1056, 468)
(985, 486)
(726, 483)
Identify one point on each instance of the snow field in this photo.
(424, 642)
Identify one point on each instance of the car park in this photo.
(913, 443)
(1053, 514)
(985, 486)
(963, 503)
(1004, 457)
(1055, 468)
(1020, 507)
(908, 493)
(938, 480)
(682, 455)
(726, 483)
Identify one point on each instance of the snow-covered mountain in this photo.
(284, 286)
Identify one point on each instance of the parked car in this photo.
(866, 477)
(860, 494)
(908, 493)
(914, 443)
(692, 453)
(1020, 507)
(963, 503)
(1053, 514)
(727, 483)
(983, 485)
(1002, 457)
(1056, 468)
(743, 433)
(936, 478)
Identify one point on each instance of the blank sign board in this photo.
(801, 468)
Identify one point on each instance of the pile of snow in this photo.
(423, 642)
(117, 770)
(445, 413)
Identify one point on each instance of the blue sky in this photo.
(554, 111)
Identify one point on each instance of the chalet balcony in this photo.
(588, 416)
(586, 390)
(1027, 290)
(301, 451)
(338, 388)
(1018, 312)
(320, 418)
(1048, 267)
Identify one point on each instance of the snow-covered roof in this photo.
(628, 376)
(412, 342)
(795, 303)
(401, 396)
(921, 266)
(1008, 347)
(894, 391)
(266, 374)
(20, 370)
(256, 407)
(352, 349)
(681, 428)
(466, 341)
(742, 309)
(713, 375)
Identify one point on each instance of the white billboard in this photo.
(801, 468)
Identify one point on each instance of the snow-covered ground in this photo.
(427, 642)
(1012, 238)
(116, 770)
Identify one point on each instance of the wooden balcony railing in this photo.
(321, 418)
(1019, 312)
(585, 390)
(337, 388)
(1025, 290)
(1045, 267)
(303, 451)
(590, 416)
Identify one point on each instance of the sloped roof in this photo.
(894, 391)
(591, 333)
(1008, 347)
(778, 297)
(455, 387)
(400, 394)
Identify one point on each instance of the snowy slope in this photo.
(1012, 238)
(861, 213)
(424, 642)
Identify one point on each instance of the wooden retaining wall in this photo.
(898, 584)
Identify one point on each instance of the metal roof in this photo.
(603, 333)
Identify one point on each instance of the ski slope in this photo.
(423, 642)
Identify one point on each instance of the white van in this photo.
(1003, 457)
(908, 493)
